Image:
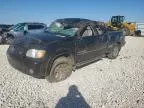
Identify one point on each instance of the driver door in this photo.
(86, 45)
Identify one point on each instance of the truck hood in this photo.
(39, 38)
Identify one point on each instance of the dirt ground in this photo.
(107, 83)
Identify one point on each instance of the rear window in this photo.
(35, 27)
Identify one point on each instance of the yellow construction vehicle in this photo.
(119, 23)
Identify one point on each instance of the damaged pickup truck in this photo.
(66, 45)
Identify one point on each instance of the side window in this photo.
(87, 32)
(31, 27)
(39, 26)
(35, 27)
(100, 31)
(20, 28)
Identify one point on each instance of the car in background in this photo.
(20, 30)
(67, 44)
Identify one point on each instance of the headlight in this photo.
(33, 53)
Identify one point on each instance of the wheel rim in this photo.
(62, 71)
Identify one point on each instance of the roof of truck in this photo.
(80, 22)
(72, 20)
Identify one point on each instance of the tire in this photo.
(9, 40)
(114, 52)
(61, 70)
(126, 31)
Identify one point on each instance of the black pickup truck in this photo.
(65, 45)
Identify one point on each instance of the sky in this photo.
(46, 11)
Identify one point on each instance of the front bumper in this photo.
(35, 68)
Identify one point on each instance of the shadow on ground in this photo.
(74, 99)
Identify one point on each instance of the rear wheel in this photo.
(61, 69)
(114, 52)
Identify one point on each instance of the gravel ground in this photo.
(107, 83)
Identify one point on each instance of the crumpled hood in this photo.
(38, 38)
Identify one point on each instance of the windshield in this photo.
(16, 26)
(58, 28)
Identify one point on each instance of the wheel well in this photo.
(67, 55)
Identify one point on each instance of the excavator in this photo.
(119, 23)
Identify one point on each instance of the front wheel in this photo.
(114, 52)
(61, 69)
